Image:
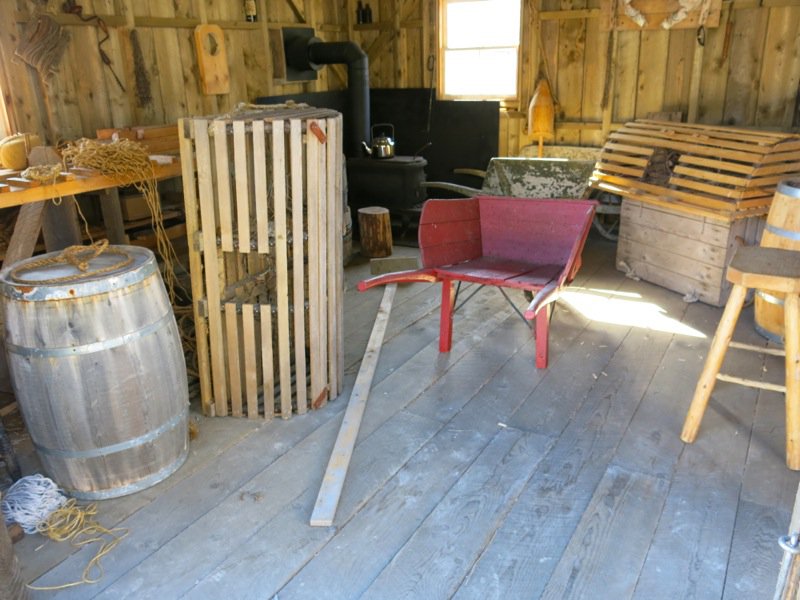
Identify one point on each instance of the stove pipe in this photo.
(312, 53)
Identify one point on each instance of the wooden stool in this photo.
(771, 269)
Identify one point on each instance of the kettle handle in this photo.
(388, 126)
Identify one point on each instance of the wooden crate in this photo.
(263, 195)
(683, 252)
(723, 173)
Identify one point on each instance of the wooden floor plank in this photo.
(606, 552)
(394, 514)
(215, 438)
(335, 474)
(652, 443)
(439, 505)
(755, 555)
(525, 549)
(436, 558)
(172, 511)
(267, 502)
(695, 544)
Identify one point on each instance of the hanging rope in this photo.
(126, 160)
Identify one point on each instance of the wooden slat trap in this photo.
(264, 220)
(723, 173)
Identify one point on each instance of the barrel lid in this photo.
(75, 274)
(790, 187)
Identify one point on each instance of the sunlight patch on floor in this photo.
(625, 308)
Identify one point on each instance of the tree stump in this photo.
(375, 229)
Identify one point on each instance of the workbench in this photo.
(81, 181)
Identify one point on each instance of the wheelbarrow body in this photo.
(523, 243)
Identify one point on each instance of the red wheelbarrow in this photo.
(524, 243)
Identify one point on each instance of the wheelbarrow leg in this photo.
(446, 317)
(542, 328)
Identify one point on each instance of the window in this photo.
(479, 48)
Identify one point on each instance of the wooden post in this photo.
(375, 230)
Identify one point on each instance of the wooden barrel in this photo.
(98, 369)
(781, 231)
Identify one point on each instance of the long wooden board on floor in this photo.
(332, 483)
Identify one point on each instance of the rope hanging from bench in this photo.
(124, 160)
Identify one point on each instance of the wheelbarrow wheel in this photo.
(607, 226)
(607, 215)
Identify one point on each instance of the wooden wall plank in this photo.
(747, 41)
(627, 75)
(714, 75)
(594, 79)
(779, 71)
(653, 74)
(571, 55)
(747, 78)
(682, 44)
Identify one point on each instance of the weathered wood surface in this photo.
(475, 476)
(748, 72)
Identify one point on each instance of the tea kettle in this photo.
(382, 141)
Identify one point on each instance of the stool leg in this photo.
(791, 319)
(716, 354)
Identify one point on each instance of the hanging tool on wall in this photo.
(70, 7)
(42, 44)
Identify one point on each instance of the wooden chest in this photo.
(682, 252)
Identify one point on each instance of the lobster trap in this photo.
(263, 195)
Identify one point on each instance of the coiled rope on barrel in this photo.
(77, 256)
(39, 506)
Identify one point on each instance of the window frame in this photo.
(512, 99)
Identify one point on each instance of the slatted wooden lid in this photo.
(720, 172)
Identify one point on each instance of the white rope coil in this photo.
(31, 500)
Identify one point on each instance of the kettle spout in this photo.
(367, 149)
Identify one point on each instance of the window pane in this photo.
(488, 73)
(482, 23)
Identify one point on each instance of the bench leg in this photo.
(446, 316)
(542, 325)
